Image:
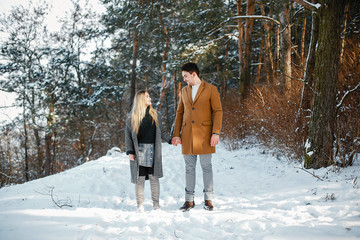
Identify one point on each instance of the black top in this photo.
(147, 129)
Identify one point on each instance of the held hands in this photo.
(132, 157)
(175, 141)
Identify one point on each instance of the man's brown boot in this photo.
(208, 205)
(187, 206)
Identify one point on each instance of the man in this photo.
(197, 127)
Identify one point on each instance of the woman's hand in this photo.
(132, 157)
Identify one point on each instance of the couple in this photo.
(197, 128)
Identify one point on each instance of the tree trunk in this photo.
(285, 49)
(277, 50)
(260, 60)
(302, 53)
(322, 123)
(146, 83)
(164, 61)
(225, 76)
(39, 147)
(218, 70)
(344, 31)
(48, 154)
(305, 104)
(175, 93)
(133, 69)
(245, 76)
(269, 59)
(26, 139)
(48, 137)
(240, 41)
(82, 142)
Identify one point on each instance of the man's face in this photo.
(189, 78)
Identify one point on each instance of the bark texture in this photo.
(322, 123)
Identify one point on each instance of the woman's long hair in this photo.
(138, 111)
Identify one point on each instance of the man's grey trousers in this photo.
(190, 176)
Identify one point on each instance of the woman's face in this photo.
(147, 99)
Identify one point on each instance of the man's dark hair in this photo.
(190, 67)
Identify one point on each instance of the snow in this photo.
(258, 195)
(58, 9)
(8, 109)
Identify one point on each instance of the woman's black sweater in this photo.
(147, 129)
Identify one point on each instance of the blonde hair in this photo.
(138, 111)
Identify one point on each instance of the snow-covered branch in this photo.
(346, 94)
(257, 17)
(11, 106)
(11, 177)
(308, 5)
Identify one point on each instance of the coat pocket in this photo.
(207, 123)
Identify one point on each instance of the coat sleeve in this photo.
(179, 117)
(164, 135)
(129, 143)
(216, 110)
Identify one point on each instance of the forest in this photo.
(288, 73)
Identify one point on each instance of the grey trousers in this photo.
(154, 187)
(190, 176)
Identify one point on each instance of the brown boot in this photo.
(187, 206)
(208, 205)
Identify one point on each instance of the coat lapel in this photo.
(189, 89)
(201, 87)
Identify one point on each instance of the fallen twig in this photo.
(313, 174)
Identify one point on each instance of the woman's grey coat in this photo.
(131, 144)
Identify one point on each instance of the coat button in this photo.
(192, 121)
(193, 108)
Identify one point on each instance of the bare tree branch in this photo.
(58, 203)
(257, 17)
(313, 174)
(11, 106)
(5, 175)
(346, 94)
(308, 5)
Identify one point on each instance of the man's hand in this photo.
(175, 141)
(132, 157)
(214, 140)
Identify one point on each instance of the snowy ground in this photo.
(258, 195)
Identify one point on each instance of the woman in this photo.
(143, 134)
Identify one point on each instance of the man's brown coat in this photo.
(197, 120)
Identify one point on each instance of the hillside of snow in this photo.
(257, 195)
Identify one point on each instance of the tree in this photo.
(24, 52)
(246, 74)
(285, 48)
(305, 104)
(319, 152)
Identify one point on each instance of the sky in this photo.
(258, 195)
(58, 9)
